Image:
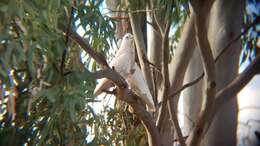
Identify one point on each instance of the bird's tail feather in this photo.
(102, 85)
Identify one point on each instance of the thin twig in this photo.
(132, 11)
(118, 17)
(256, 21)
(171, 109)
(66, 42)
(187, 85)
(150, 63)
(86, 46)
(185, 137)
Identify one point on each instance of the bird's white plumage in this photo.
(139, 86)
(124, 64)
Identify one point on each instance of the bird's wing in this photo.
(124, 61)
(121, 64)
(139, 86)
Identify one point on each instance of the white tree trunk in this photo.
(192, 96)
(225, 22)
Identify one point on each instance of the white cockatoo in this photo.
(124, 64)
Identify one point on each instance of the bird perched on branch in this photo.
(124, 64)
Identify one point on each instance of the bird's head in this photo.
(128, 39)
(128, 36)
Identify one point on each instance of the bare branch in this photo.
(179, 63)
(66, 42)
(201, 10)
(118, 17)
(140, 46)
(171, 109)
(150, 63)
(186, 86)
(174, 119)
(231, 90)
(132, 11)
(256, 21)
(226, 94)
(86, 46)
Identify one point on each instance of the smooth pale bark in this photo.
(225, 22)
(154, 53)
(135, 21)
(177, 68)
(192, 96)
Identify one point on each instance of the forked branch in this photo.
(123, 92)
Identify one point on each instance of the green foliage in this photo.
(95, 25)
(52, 108)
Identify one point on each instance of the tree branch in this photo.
(66, 42)
(256, 21)
(179, 63)
(226, 94)
(145, 117)
(201, 10)
(112, 75)
(171, 109)
(150, 63)
(131, 98)
(86, 46)
(186, 86)
(124, 93)
(140, 46)
(132, 11)
(231, 90)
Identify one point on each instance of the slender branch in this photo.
(256, 21)
(132, 11)
(179, 64)
(174, 119)
(66, 42)
(187, 85)
(146, 119)
(249, 108)
(154, 27)
(150, 63)
(228, 93)
(86, 46)
(231, 90)
(118, 17)
(140, 46)
(171, 109)
(201, 10)
(185, 137)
